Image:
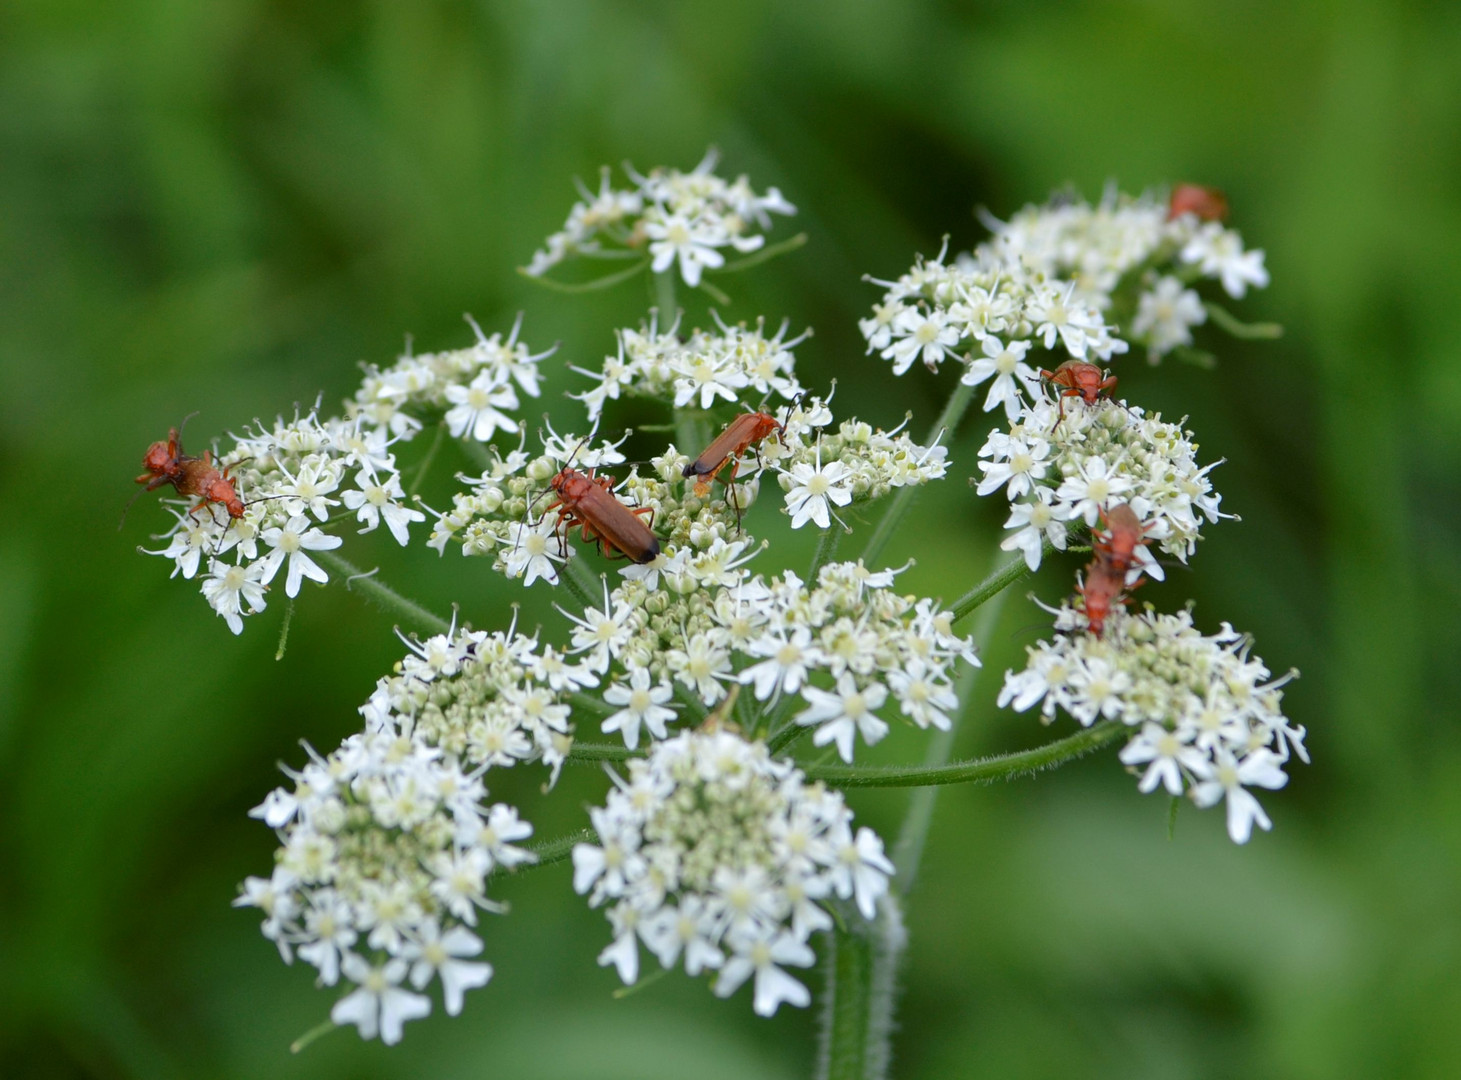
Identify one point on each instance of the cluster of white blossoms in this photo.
(1060, 473)
(703, 368)
(386, 845)
(295, 478)
(512, 513)
(472, 387)
(714, 854)
(678, 217)
(298, 480)
(1090, 278)
(1205, 714)
(846, 649)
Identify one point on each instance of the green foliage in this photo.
(224, 206)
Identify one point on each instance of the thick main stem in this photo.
(842, 1050)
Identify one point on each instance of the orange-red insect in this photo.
(727, 447)
(1101, 589)
(166, 463)
(1209, 204)
(1124, 534)
(589, 501)
(1076, 378)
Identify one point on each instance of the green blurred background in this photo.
(225, 205)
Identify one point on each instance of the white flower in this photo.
(1037, 520)
(1007, 364)
(642, 703)
(291, 542)
(532, 548)
(841, 716)
(1165, 316)
(692, 242)
(1230, 778)
(1092, 488)
(760, 956)
(379, 1005)
(441, 954)
(814, 488)
(1219, 253)
(377, 499)
(229, 588)
(479, 404)
(920, 334)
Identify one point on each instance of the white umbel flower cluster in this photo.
(512, 514)
(680, 218)
(715, 855)
(473, 387)
(1060, 474)
(849, 650)
(1205, 714)
(387, 843)
(385, 850)
(738, 363)
(298, 480)
(1092, 278)
(295, 478)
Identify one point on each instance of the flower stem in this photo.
(576, 579)
(842, 1045)
(408, 611)
(664, 297)
(978, 771)
(826, 548)
(947, 422)
(583, 752)
(556, 850)
(993, 585)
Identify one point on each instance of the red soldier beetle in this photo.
(740, 434)
(1124, 534)
(166, 463)
(1101, 589)
(1076, 378)
(1208, 204)
(588, 500)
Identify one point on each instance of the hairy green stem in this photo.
(559, 848)
(826, 548)
(426, 461)
(993, 585)
(978, 771)
(579, 580)
(604, 282)
(842, 1044)
(408, 611)
(946, 424)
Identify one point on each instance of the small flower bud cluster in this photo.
(681, 217)
(473, 387)
(1205, 714)
(1061, 472)
(290, 475)
(385, 850)
(714, 854)
(738, 363)
(844, 646)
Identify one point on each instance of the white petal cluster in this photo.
(1205, 714)
(986, 316)
(490, 700)
(715, 855)
(1090, 278)
(1060, 474)
(475, 387)
(737, 364)
(297, 478)
(684, 219)
(385, 849)
(850, 650)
